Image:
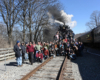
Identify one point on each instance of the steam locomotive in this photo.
(65, 29)
(91, 38)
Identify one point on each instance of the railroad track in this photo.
(58, 68)
(27, 76)
(46, 71)
(66, 70)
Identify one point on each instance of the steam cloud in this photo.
(61, 17)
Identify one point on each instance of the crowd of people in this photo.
(63, 45)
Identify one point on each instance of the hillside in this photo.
(78, 35)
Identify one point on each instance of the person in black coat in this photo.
(80, 48)
(23, 51)
(50, 46)
(18, 53)
(65, 45)
(62, 51)
(66, 51)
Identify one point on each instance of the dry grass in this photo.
(3, 42)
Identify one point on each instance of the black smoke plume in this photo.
(55, 12)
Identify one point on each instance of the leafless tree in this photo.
(94, 20)
(37, 16)
(9, 11)
(3, 35)
(31, 15)
(3, 30)
(17, 35)
(22, 17)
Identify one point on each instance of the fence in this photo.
(6, 53)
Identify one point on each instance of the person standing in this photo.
(53, 51)
(34, 50)
(57, 35)
(23, 51)
(46, 53)
(18, 53)
(45, 45)
(34, 44)
(26, 54)
(62, 51)
(38, 47)
(30, 51)
(56, 48)
(65, 46)
(80, 48)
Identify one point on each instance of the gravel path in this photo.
(13, 72)
(93, 51)
(87, 67)
(83, 68)
(76, 72)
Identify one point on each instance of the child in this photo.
(46, 53)
(39, 56)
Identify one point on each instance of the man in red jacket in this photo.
(30, 51)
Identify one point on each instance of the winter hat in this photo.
(18, 42)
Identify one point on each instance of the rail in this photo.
(6, 53)
(60, 77)
(27, 76)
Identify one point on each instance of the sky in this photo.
(81, 11)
